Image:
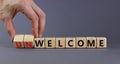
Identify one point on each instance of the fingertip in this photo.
(12, 36)
(35, 35)
(40, 36)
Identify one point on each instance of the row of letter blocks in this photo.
(28, 41)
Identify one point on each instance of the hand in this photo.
(9, 8)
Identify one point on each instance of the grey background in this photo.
(68, 18)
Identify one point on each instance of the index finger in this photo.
(28, 11)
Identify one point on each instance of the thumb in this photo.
(9, 27)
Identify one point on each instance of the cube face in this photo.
(18, 41)
(101, 42)
(18, 44)
(29, 41)
(19, 37)
(60, 42)
(50, 43)
(39, 43)
(28, 38)
(91, 42)
(70, 42)
(81, 42)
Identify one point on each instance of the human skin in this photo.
(9, 8)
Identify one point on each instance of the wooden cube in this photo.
(91, 42)
(70, 42)
(60, 43)
(81, 42)
(18, 41)
(29, 41)
(101, 42)
(39, 43)
(50, 43)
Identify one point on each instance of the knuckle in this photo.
(43, 14)
(35, 18)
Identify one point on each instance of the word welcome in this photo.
(28, 41)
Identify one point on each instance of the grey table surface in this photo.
(11, 55)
